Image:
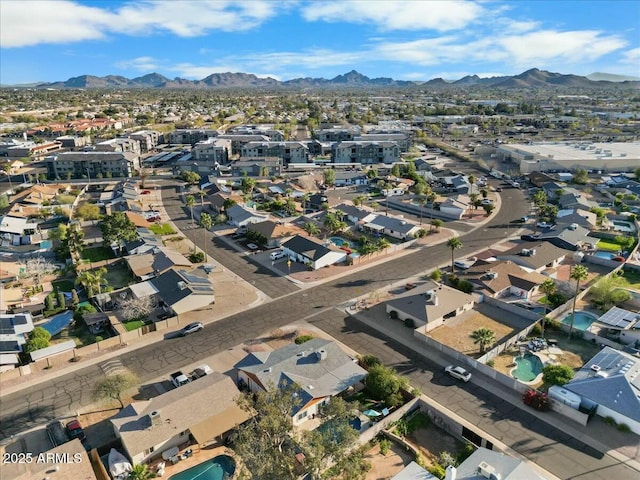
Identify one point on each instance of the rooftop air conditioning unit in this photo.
(595, 368)
(182, 285)
(486, 470)
(155, 418)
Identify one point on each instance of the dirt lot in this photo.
(457, 333)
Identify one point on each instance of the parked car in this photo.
(179, 379)
(498, 189)
(75, 430)
(201, 371)
(544, 225)
(487, 201)
(191, 328)
(57, 433)
(276, 255)
(458, 372)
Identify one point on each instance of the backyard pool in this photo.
(605, 255)
(338, 241)
(221, 467)
(582, 320)
(59, 322)
(528, 367)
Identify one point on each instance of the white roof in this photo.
(16, 225)
(143, 289)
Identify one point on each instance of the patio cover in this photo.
(219, 424)
(143, 289)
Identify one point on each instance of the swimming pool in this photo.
(582, 320)
(605, 255)
(339, 241)
(528, 367)
(221, 467)
(59, 322)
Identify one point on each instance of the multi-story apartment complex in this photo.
(124, 145)
(190, 136)
(212, 150)
(289, 152)
(91, 165)
(336, 134)
(148, 139)
(366, 153)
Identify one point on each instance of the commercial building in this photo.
(545, 157)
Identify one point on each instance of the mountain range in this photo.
(532, 78)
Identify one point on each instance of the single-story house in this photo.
(14, 330)
(310, 252)
(355, 214)
(610, 381)
(485, 463)
(344, 179)
(569, 237)
(583, 218)
(240, 216)
(183, 291)
(148, 265)
(202, 410)
(535, 256)
(17, 230)
(624, 323)
(319, 367)
(430, 305)
(274, 232)
(395, 227)
(145, 243)
(454, 207)
(503, 279)
(575, 200)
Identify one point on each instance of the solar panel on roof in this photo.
(618, 317)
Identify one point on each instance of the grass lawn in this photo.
(63, 285)
(363, 398)
(119, 276)
(608, 245)
(132, 325)
(97, 254)
(162, 229)
(633, 277)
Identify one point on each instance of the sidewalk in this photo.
(597, 434)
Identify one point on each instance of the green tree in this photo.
(556, 374)
(190, 201)
(141, 471)
(329, 177)
(206, 222)
(579, 273)
(74, 297)
(436, 275)
(88, 211)
(311, 228)
(247, 185)
(359, 200)
(7, 171)
(117, 228)
(49, 302)
(4, 201)
(580, 176)
(38, 339)
(384, 384)
(113, 386)
(609, 291)
(436, 223)
(488, 207)
(228, 203)
(190, 177)
(483, 337)
(333, 223)
(454, 244)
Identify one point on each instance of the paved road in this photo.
(549, 447)
(60, 396)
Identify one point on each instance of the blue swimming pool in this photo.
(59, 322)
(338, 241)
(221, 467)
(605, 255)
(582, 320)
(528, 367)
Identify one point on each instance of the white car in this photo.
(458, 372)
(276, 255)
(544, 225)
(201, 371)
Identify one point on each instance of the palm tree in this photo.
(578, 273)
(472, 180)
(202, 194)
(454, 243)
(7, 170)
(422, 202)
(206, 222)
(382, 244)
(305, 200)
(311, 228)
(548, 287)
(483, 337)
(141, 472)
(191, 201)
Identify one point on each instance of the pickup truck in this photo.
(57, 433)
(179, 379)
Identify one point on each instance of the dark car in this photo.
(191, 328)
(75, 430)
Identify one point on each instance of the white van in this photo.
(277, 255)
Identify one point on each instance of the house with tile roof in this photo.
(610, 382)
(318, 367)
(311, 253)
(430, 305)
(203, 410)
(503, 279)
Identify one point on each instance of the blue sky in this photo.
(411, 40)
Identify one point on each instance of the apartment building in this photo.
(366, 153)
(148, 139)
(190, 136)
(93, 165)
(289, 152)
(120, 144)
(212, 150)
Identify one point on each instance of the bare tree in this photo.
(136, 307)
(36, 267)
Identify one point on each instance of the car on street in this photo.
(252, 246)
(498, 189)
(458, 372)
(544, 225)
(179, 379)
(75, 430)
(487, 201)
(191, 328)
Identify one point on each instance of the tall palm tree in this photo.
(305, 200)
(202, 194)
(206, 222)
(7, 170)
(548, 287)
(191, 201)
(454, 244)
(483, 337)
(311, 228)
(422, 202)
(579, 273)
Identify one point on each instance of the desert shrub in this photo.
(536, 331)
(300, 339)
(465, 452)
(445, 459)
(552, 324)
(436, 275)
(556, 299)
(556, 374)
(196, 257)
(385, 445)
(623, 427)
(465, 286)
(437, 470)
(367, 361)
(491, 363)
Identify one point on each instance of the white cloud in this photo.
(64, 21)
(632, 56)
(396, 15)
(514, 26)
(142, 64)
(570, 47)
